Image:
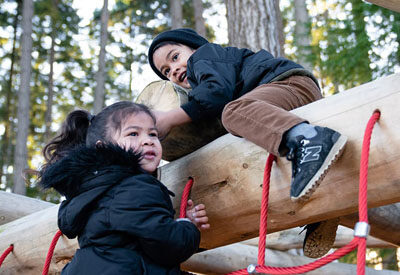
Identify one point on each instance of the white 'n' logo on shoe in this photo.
(311, 153)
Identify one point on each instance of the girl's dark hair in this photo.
(80, 127)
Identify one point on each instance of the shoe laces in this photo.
(296, 154)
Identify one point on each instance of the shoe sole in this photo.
(321, 240)
(334, 154)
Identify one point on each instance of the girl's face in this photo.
(171, 61)
(139, 133)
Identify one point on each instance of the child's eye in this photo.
(153, 134)
(175, 57)
(133, 134)
(166, 72)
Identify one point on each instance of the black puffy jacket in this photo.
(218, 75)
(122, 216)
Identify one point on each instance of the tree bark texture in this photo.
(302, 33)
(255, 24)
(20, 157)
(198, 17)
(176, 13)
(101, 73)
(49, 105)
(6, 143)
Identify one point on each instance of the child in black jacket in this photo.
(253, 94)
(122, 215)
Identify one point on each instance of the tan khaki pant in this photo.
(261, 116)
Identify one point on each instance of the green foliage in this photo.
(385, 258)
(350, 39)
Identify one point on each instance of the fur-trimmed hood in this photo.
(83, 177)
(69, 174)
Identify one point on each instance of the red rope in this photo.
(184, 198)
(5, 254)
(363, 187)
(264, 210)
(359, 242)
(50, 252)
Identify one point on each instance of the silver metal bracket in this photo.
(251, 269)
(361, 230)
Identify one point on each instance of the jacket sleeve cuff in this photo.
(193, 110)
(183, 219)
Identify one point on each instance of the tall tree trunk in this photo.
(23, 98)
(176, 13)
(6, 144)
(255, 25)
(198, 17)
(100, 77)
(50, 93)
(302, 33)
(131, 57)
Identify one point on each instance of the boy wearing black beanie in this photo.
(253, 93)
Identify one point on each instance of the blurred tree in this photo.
(100, 76)
(176, 14)
(255, 26)
(50, 94)
(198, 17)
(20, 157)
(302, 35)
(350, 41)
(7, 110)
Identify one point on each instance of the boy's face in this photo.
(139, 133)
(171, 61)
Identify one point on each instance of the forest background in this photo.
(54, 60)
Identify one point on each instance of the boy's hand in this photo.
(197, 214)
(163, 123)
(169, 119)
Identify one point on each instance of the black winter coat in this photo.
(218, 75)
(122, 216)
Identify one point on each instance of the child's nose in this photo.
(175, 71)
(147, 141)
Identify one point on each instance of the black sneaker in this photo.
(311, 159)
(320, 237)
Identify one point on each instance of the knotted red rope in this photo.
(359, 242)
(50, 252)
(5, 253)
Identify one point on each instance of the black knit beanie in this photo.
(183, 36)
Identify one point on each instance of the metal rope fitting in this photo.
(251, 269)
(361, 229)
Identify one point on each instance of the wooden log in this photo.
(384, 220)
(14, 206)
(228, 171)
(162, 95)
(238, 256)
(293, 239)
(393, 5)
(31, 236)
